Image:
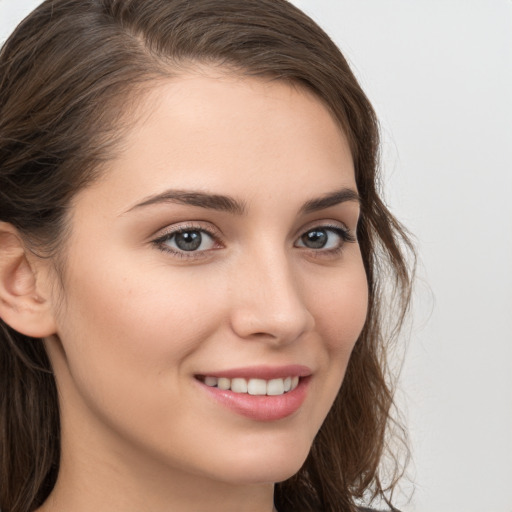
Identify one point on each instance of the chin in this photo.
(264, 473)
(270, 465)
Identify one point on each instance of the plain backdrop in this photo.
(439, 73)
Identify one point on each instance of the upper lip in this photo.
(262, 372)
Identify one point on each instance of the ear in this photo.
(25, 304)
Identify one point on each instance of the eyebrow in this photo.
(333, 199)
(231, 205)
(203, 200)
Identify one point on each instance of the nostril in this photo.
(274, 313)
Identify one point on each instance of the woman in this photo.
(192, 252)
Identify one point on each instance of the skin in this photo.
(134, 323)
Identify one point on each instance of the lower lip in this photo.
(261, 407)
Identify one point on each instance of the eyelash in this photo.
(343, 232)
(160, 242)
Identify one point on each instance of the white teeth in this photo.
(257, 387)
(224, 383)
(275, 387)
(272, 387)
(239, 385)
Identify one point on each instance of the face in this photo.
(214, 286)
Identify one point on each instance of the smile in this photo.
(253, 386)
(261, 393)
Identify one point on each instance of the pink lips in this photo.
(261, 407)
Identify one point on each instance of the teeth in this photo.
(224, 383)
(273, 387)
(211, 381)
(239, 385)
(257, 387)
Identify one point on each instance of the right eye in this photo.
(186, 242)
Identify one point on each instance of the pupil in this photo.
(188, 240)
(315, 239)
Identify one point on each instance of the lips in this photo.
(260, 393)
(255, 387)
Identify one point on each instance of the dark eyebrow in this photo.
(340, 196)
(201, 199)
(231, 205)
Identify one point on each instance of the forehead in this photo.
(218, 131)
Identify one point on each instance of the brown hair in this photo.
(66, 74)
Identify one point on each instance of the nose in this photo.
(268, 301)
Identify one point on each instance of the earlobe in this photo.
(23, 305)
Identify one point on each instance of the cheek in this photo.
(127, 338)
(338, 301)
(340, 310)
(120, 321)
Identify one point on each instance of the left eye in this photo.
(188, 240)
(322, 238)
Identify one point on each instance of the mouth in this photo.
(252, 386)
(259, 393)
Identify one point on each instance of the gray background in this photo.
(440, 76)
